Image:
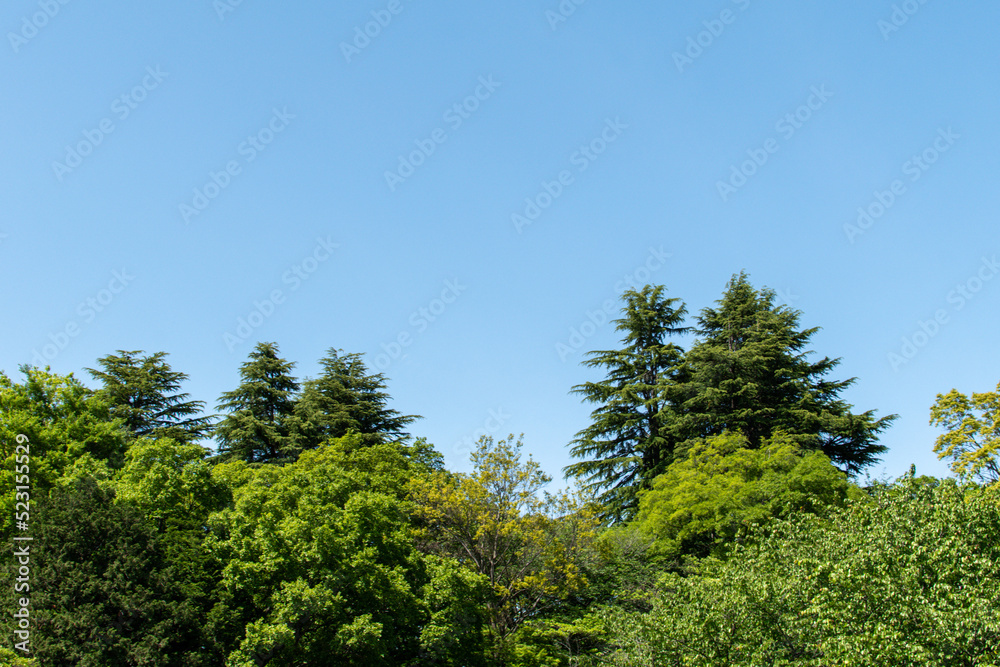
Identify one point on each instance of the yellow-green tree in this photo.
(495, 522)
(972, 441)
(723, 486)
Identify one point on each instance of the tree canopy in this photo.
(972, 440)
(711, 517)
(261, 425)
(144, 392)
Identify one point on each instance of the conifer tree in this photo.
(345, 397)
(261, 424)
(633, 434)
(143, 392)
(749, 373)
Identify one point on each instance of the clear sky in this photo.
(459, 188)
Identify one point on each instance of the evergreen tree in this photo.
(346, 398)
(749, 373)
(142, 392)
(113, 592)
(632, 437)
(261, 424)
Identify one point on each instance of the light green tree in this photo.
(972, 441)
(320, 565)
(909, 577)
(497, 523)
(723, 486)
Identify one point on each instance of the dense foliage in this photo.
(716, 521)
(908, 576)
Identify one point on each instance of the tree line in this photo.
(715, 516)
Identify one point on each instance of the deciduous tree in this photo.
(972, 441)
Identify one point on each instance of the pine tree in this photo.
(346, 398)
(142, 391)
(632, 437)
(749, 373)
(261, 424)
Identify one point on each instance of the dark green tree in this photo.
(108, 590)
(344, 398)
(261, 424)
(143, 393)
(750, 373)
(632, 437)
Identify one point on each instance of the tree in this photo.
(749, 373)
(261, 425)
(973, 438)
(494, 522)
(108, 592)
(143, 394)
(321, 568)
(722, 487)
(346, 398)
(909, 577)
(633, 432)
(66, 429)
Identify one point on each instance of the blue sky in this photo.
(169, 169)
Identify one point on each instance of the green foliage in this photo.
(319, 565)
(749, 373)
(493, 521)
(70, 434)
(700, 505)
(973, 438)
(630, 440)
(11, 658)
(346, 398)
(909, 577)
(168, 481)
(261, 425)
(143, 393)
(105, 589)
